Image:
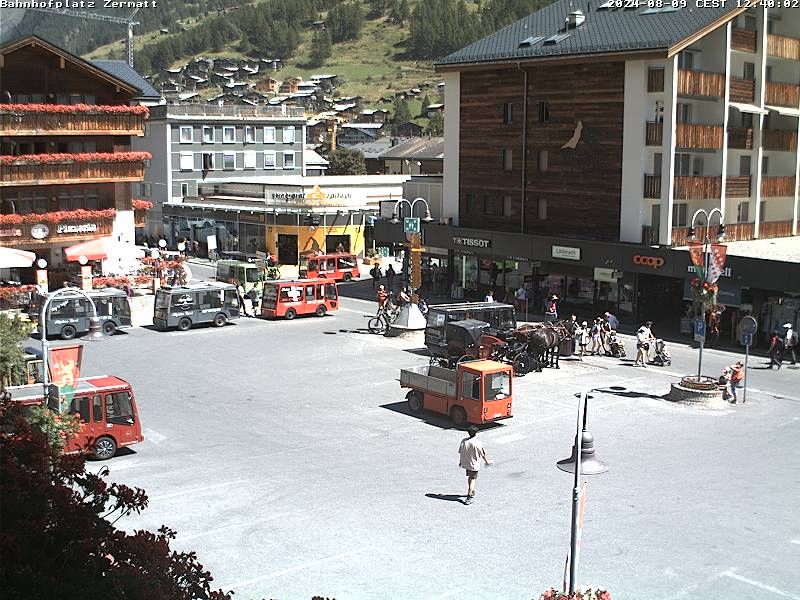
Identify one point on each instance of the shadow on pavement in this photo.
(447, 497)
(418, 351)
(435, 419)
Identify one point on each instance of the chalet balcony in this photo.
(699, 137)
(738, 186)
(783, 47)
(734, 232)
(779, 140)
(653, 133)
(740, 138)
(782, 94)
(652, 186)
(60, 226)
(772, 187)
(743, 40)
(79, 119)
(697, 188)
(743, 90)
(701, 83)
(655, 80)
(54, 169)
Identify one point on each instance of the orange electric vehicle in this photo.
(287, 299)
(339, 267)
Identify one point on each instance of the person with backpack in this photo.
(790, 342)
(375, 271)
(775, 351)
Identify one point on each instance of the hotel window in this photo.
(145, 190)
(508, 160)
(762, 211)
(543, 109)
(747, 120)
(682, 165)
(229, 161)
(249, 135)
(764, 165)
(250, 159)
(657, 158)
(493, 207)
(472, 204)
(685, 60)
(186, 134)
(269, 135)
(697, 167)
(508, 207)
(208, 161)
(742, 212)
(184, 190)
(679, 214)
(684, 113)
(768, 73)
(208, 134)
(750, 23)
(228, 135)
(541, 209)
(288, 160)
(508, 112)
(749, 71)
(269, 160)
(187, 161)
(542, 161)
(744, 166)
(288, 135)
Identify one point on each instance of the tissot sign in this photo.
(471, 242)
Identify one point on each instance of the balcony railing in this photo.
(782, 94)
(697, 188)
(740, 138)
(777, 186)
(783, 47)
(44, 169)
(234, 111)
(652, 186)
(701, 137)
(653, 133)
(700, 83)
(777, 139)
(743, 39)
(655, 80)
(734, 232)
(737, 186)
(18, 121)
(742, 90)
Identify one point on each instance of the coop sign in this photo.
(472, 242)
(76, 228)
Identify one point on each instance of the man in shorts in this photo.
(472, 453)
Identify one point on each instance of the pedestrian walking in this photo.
(790, 342)
(725, 384)
(471, 454)
(737, 378)
(521, 296)
(489, 296)
(775, 351)
(643, 338)
(240, 297)
(551, 312)
(582, 337)
(376, 275)
(605, 335)
(340, 248)
(596, 343)
(390, 273)
(612, 321)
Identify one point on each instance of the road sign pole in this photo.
(746, 356)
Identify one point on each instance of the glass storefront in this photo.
(232, 235)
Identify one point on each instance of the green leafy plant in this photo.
(13, 330)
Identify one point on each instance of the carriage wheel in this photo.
(522, 364)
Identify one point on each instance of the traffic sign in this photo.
(749, 325)
(700, 330)
(747, 339)
(411, 225)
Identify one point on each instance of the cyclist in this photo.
(381, 297)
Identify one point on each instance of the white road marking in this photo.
(448, 594)
(194, 536)
(507, 439)
(795, 542)
(195, 490)
(352, 310)
(759, 585)
(153, 436)
(299, 567)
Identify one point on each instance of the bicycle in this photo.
(386, 315)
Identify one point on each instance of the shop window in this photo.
(186, 134)
(208, 134)
(269, 135)
(228, 135)
(269, 160)
(250, 159)
(186, 161)
(508, 160)
(679, 212)
(508, 113)
(542, 161)
(249, 135)
(543, 110)
(743, 212)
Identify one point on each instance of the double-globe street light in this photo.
(415, 260)
(706, 262)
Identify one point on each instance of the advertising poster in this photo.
(64, 367)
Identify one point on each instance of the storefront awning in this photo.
(785, 111)
(101, 249)
(11, 258)
(748, 108)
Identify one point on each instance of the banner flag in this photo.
(716, 263)
(64, 367)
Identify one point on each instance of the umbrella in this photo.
(11, 258)
(101, 248)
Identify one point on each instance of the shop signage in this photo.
(566, 252)
(411, 225)
(607, 275)
(655, 262)
(726, 272)
(39, 231)
(472, 242)
(11, 232)
(75, 228)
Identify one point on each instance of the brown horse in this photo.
(544, 341)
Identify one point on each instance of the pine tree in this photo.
(12, 360)
(402, 114)
(435, 124)
(320, 48)
(426, 102)
(403, 12)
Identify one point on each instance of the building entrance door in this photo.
(287, 249)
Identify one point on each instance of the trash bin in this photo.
(567, 347)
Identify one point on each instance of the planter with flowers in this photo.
(704, 293)
(77, 166)
(589, 594)
(16, 118)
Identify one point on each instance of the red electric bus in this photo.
(106, 407)
(288, 299)
(339, 267)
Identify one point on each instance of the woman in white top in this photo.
(582, 337)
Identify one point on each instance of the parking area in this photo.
(284, 454)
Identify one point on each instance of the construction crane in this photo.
(111, 19)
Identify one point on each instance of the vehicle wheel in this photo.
(347, 276)
(109, 328)
(321, 310)
(67, 332)
(414, 401)
(104, 448)
(376, 325)
(185, 324)
(522, 364)
(458, 415)
(290, 314)
(220, 320)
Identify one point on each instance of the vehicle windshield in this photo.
(252, 275)
(162, 299)
(504, 319)
(498, 386)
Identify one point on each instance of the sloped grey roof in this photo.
(605, 30)
(431, 148)
(373, 148)
(122, 70)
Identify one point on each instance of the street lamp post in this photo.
(706, 260)
(94, 328)
(414, 261)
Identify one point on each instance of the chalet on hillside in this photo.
(416, 156)
(269, 84)
(290, 85)
(357, 133)
(408, 129)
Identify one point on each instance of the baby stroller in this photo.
(616, 347)
(662, 357)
